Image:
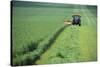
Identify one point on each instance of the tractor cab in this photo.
(76, 20)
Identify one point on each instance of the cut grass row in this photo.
(75, 44)
(32, 56)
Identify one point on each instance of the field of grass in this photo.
(40, 37)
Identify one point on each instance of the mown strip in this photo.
(31, 57)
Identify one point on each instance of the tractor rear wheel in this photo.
(79, 24)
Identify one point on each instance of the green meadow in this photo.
(39, 35)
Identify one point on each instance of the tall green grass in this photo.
(35, 29)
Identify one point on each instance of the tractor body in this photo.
(76, 20)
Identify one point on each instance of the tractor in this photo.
(75, 21)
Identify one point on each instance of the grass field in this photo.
(39, 35)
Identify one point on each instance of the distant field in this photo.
(39, 35)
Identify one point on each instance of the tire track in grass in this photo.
(89, 20)
(83, 11)
(88, 38)
(91, 17)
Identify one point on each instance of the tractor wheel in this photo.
(79, 24)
